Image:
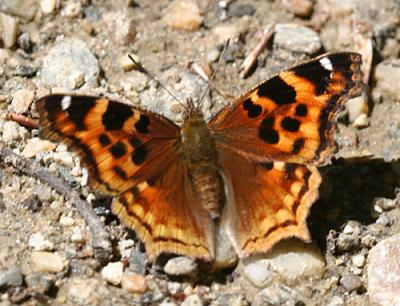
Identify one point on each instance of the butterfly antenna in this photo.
(213, 75)
(140, 68)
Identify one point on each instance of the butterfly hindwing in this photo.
(268, 202)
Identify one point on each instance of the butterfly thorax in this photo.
(200, 158)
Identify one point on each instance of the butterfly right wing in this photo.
(135, 156)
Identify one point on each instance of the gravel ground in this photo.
(47, 256)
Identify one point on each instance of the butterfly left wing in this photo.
(265, 138)
(135, 156)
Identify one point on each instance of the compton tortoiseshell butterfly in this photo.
(251, 168)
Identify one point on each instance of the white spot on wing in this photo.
(326, 63)
(66, 102)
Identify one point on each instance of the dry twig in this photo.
(250, 61)
(100, 237)
(23, 120)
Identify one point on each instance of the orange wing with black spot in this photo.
(268, 141)
(135, 156)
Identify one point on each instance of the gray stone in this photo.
(387, 75)
(181, 265)
(39, 282)
(384, 272)
(276, 295)
(11, 277)
(192, 300)
(291, 260)
(22, 100)
(10, 131)
(69, 64)
(25, 9)
(38, 243)
(237, 9)
(231, 300)
(9, 28)
(296, 38)
(351, 282)
(47, 262)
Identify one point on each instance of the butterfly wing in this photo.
(264, 139)
(290, 117)
(133, 155)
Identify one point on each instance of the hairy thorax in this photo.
(201, 160)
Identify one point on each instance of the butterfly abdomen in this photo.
(201, 162)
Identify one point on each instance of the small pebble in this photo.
(301, 8)
(22, 100)
(38, 243)
(9, 36)
(39, 283)
(126, 63)
(388, 85)
(183, 15)
(64, 158)
(335, 301)
(11, 277)
(356, 107)
(10, 131)
(134, 283)
(77, 235)
(351, 282)
(72, 9)
(181, 266)
(237, 9)
(125, 247)
(47, 262)
(37, 145)
(121, 27)
(192, 300)
(358, 260)
(276, 295)
(112, 273)
(383, 219)
(66, 221)
(43, 193)
(291, 260)
(48, 6)
(296, 38)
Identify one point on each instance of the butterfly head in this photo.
(191, 110)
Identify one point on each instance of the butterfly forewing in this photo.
(290, 116)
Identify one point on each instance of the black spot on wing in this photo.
(121, 173)
(277, 90)
(298, 144)
(301, 110)
(290, 124)
(139, 155)
(135, 142)
(118, 150)
(104, 140)
(268, 135)
(253, 110)
(267, 165)
(142, 125)
(116, 115)
(316, 74)
(268, 122)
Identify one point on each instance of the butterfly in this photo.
(251, 169)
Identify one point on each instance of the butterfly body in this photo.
(250, 170)
(201, 160)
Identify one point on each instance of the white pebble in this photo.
(112, 273)
(77, 235)
(47, 262)
(39, 243)
(66, 221)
